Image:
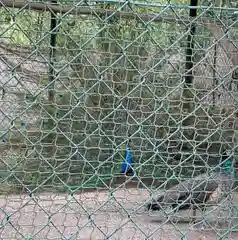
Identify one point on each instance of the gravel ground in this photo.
(96, 215)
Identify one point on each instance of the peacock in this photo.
(127, 164)
(127, 161)
(198, 192)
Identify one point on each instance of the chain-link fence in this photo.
(84, 83)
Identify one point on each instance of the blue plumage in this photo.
(227, 166)
(127, 163)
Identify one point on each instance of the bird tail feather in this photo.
(155, 205)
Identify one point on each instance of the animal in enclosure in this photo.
(127, 164)
(199, 192)
(126, 169)
(234, 16)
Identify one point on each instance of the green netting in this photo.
(84, 83)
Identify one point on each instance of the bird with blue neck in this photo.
(226, 165)
(199, 192)
(127, 164)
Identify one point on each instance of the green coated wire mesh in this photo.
(80, 81)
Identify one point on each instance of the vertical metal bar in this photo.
(53, 38)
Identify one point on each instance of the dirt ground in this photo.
(98, 215)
